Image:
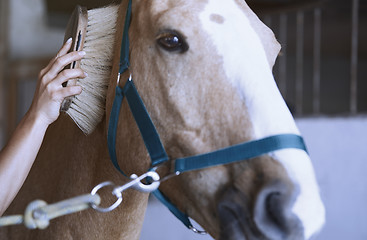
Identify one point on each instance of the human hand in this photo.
(50, 93)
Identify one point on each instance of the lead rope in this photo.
(38, 213)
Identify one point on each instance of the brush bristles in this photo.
(88, 108)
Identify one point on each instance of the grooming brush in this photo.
(76, 29)
(92, 31)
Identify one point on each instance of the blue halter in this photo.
(155, 148)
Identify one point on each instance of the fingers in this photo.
(50, 93)
(70, 91)
(64, 50)
(67, 75)
(60, 64)
(58, 95)
(57, 91)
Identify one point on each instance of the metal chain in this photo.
(38, 213)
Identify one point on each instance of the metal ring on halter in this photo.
(118, 79)
(175, 174)
(113, 206)
(195, 230)
(169, 175)
(129, 79)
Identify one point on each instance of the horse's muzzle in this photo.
(264, 215)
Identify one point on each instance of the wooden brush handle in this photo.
(76, 29)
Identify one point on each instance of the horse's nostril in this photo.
(266, 216)
(273, 214)
(274, 208)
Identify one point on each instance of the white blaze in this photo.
(247, 68)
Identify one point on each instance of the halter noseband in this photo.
(157, 153)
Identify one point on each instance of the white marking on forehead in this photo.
(246, 67)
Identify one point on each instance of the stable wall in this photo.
(338, 148)
(29, 35)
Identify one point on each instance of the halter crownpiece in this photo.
(155, 148)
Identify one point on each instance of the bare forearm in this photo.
(17, 157)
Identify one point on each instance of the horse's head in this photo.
(204, 71)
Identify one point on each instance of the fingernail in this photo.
(85, 74)
(82, 53)
(69, 40)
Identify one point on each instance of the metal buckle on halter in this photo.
(195, 230)
(138, 185)
(134, 183)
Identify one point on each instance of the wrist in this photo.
(35, 121)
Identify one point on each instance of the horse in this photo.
(204, 71)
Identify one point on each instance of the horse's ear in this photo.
(266, 35)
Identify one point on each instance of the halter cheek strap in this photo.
(146, 126)
(150, 136)
(155, 148)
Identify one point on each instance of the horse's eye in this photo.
(172, 41)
